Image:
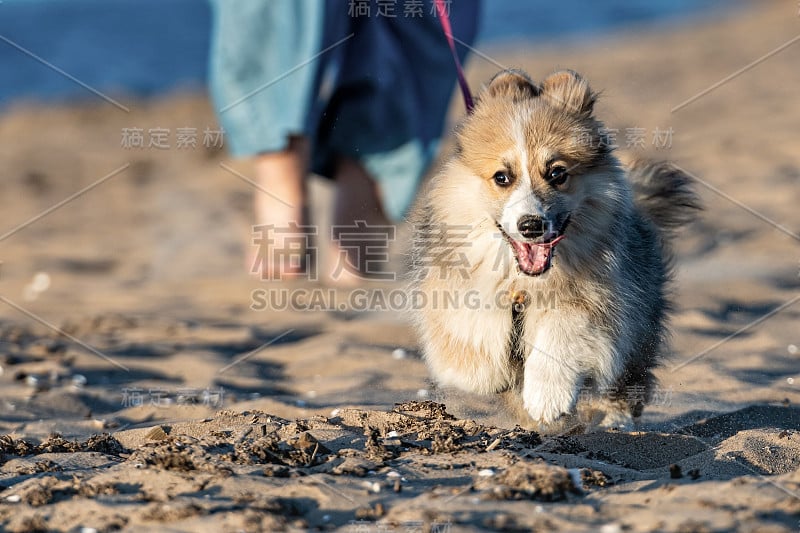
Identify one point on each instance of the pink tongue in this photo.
(533, 259)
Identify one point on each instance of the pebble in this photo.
(79, 380)
(39, 284)
(399, 353)
(392, 435)
(88, 530)
(372, 486)
(392, 473)
(335, 413)
(157, 433)
(792, 349)
(422, 393)
(31, 381)
(486, 472)
(14, 498)
(790, 381)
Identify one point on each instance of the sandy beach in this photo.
(143, 388)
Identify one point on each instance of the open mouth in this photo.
(535, 258)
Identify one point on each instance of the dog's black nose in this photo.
(530, 226)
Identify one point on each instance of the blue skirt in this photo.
(370, 80)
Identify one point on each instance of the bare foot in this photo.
(360, 230)
(278, 248)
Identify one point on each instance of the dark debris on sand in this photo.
(103, 443)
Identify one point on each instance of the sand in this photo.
(137, 392)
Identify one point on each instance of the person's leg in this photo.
(263, 100)
(356, 212)
(280, 201)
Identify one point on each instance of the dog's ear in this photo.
(512, 83)
(568, 90)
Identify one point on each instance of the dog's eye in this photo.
(502, 179)
(557, 176)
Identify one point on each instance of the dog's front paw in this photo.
(546, 404)
(617, 419)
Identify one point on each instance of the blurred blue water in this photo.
(147, 47)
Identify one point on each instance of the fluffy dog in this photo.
(565, 252)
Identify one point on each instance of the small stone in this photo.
(372, 486)
(399, 353)
(675, 471)
(792, 349)
(41, 282)
(79, 380)
(423, 393)
(486, 472)
(14, 498)
(157, 433)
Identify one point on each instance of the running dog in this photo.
(546, 213)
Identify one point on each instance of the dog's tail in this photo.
(665, 194)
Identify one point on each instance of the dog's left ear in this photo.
(512, 83)
(568, 90)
